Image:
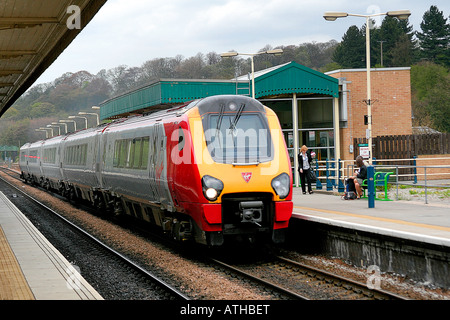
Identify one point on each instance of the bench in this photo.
(381, 179)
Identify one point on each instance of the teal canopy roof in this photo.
(283, 79)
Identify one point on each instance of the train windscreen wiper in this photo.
(236, 118)
(219, 120)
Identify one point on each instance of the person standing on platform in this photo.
(304, 165)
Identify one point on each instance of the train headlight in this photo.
(212, 187)
(281, 185)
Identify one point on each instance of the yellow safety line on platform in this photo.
(422, 225)
(13, 285)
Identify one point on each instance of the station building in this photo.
(326, 111)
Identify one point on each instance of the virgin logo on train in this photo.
(247, 176)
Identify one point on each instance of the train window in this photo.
(76, 155)
(244, 138)
(131, 153)
(144, 156)
(50, 155)
(32, 158)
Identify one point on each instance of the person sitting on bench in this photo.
(359, 175)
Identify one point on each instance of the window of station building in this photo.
(131, 153)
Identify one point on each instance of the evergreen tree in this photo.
(435, 37)
(398, 44)
(350, 53)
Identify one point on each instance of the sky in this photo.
(131, 32)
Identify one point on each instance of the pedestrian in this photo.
(359, 175)
(304, 166)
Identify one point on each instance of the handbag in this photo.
(312, 176)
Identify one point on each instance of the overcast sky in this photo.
(130, 32)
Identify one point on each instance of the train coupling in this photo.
(251, 212)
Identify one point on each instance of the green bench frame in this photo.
(381, 179)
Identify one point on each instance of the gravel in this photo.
(200, 281)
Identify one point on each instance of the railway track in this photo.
(299, 281)
(287, 279)
(141, 281)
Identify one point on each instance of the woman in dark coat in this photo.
(304, 165)
(359, 176)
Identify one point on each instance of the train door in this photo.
(97, 157)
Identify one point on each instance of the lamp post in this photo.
(46, 131)
(73, 121)
(93, 114)
(52, 126)
(233, 54)
(85, 119)
(42, 130)
(400, 14)
(57, 124)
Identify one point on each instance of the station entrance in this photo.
(314, 125)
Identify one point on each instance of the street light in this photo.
(85, 119)
(93, 114)
(276, 52)
(400, 14)
(42, 130)
(57, 124)
(73, 121)
(52, 126)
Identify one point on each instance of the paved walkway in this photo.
(30, 267)
(406, 219)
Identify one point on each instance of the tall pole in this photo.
(369, 93)
(253, 77)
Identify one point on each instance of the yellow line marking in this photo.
(422, 225)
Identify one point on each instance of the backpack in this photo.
(349, 195)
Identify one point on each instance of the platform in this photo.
(429, 223)
(30, 267)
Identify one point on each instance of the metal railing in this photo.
(331, 174)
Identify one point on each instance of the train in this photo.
(208, 170)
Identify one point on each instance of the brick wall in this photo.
(433, 160)
(391, 104)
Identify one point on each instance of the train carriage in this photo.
(30, 162)
(214, 168)
(52, 174)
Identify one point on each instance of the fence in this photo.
(403, 150)
(331, 174)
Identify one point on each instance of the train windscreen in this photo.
(238, 137)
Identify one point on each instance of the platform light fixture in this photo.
(85, 119)
(400, 14)
(72, 121)
(275, 52)
(92, 114)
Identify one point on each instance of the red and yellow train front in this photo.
(244, 170)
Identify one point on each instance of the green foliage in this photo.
(435, 37)
(392, 42)
(430, 85)
(350, 53)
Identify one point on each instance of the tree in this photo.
(42, 109)
(430, 88)
(435, 37)
(350, 53)
(398, 44)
